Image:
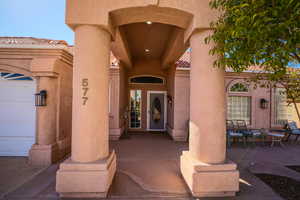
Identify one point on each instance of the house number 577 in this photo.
(85, 89)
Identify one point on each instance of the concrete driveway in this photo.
(14, 172)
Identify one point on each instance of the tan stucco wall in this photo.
(190, 15)
(52, 68)
(65, 108)
(124, 99)
(181, 105)
(171, 92)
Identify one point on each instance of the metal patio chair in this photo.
(232, 133)
(247, 132)
(292, 129)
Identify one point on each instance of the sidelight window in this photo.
(135, 108)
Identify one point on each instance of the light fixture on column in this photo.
(40, 98)
(147, 50)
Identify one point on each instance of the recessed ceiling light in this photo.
(149, 22)
(147, 50)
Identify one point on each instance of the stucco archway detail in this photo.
(15, 69)
(100, 25)
(51, 67)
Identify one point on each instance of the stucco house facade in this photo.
(30, 65)
(137, 66)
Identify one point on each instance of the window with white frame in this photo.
(239, 108)
(135, 108)
(281, 108)
(239, 102)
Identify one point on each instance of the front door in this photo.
(156, 111)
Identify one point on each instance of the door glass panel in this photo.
(156, 110)
(135, 108)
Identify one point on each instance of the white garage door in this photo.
(17, 114)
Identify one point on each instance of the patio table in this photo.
(249, 132)
(276, 137)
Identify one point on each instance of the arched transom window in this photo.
(14, 76)
(147, 80)
(239, 87)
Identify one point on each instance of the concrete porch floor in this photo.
(148, 168)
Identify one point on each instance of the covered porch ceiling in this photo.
(148, 41)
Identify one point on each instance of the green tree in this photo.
(263, 33)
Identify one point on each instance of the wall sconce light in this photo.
(170, 100)
(264, 103)
(40, 98)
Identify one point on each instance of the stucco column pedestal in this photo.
(45, 151)
(204, 167)
(86, 180)
(90, 171)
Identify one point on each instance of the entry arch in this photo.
(15, 69)
(162, 15)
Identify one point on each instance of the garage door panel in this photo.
(19, 146)
(17, 117)
(11, 130)
(16, 91)
(15, 111)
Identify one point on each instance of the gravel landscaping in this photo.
(287, 188)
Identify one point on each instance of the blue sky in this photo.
(34, 18)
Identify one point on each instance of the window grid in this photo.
(281, 108)
(135, 108)
(239, 108)
(239, 87)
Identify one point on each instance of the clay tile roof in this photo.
(31, 40)
(185, 60)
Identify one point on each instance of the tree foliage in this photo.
(257, 32)
(264, 33)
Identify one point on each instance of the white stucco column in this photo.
(204, 166)
(90, 126)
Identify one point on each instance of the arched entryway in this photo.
(124, 27)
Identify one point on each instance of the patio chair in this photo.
(292, 129)
(247, 132)
(232, 133)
